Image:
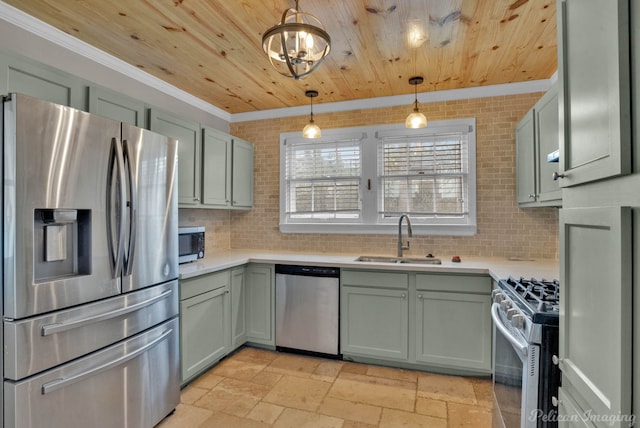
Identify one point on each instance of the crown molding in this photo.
(398, 100)
(45, 31)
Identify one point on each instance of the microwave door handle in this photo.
(133, 207)
(116, 162)
(523, 348)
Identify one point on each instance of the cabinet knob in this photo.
(555, 360)
(555, 401)
(196, 199)
(403, 295)
(227, 201)
(420, 296)
(532, 196)
(556, 176)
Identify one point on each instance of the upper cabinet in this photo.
(537, 135)
(116, 106)
(227, 171)
(189, 149)
(593, 68)
(41, 81)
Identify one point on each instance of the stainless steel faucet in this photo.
(409, 234)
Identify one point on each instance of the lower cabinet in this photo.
(238, 310)
(205, 319)
(375, 319)
(430, 320)
(260, 303)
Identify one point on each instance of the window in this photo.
(360, 180)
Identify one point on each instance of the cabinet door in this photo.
(41, 81)
(204, 331)
(593, 68)
(260, 304)
(525, 159)
(238, 318)
(595, 307)
(116, 106)
(242, 179)
(189, 152)
(572, 417)
(216, 170)
(547, 132)
(453, 330)
(374, 322)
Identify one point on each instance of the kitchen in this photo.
(504, 230)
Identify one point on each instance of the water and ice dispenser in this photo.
(62, 246)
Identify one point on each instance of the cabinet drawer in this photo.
(455, 283)
(201, 284)
(360, 278)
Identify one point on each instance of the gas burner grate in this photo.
(542, 295)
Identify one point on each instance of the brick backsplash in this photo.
(504, 230)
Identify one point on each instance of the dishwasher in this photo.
(307, 309)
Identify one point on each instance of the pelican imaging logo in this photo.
(589, 415)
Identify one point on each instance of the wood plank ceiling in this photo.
(212, 48)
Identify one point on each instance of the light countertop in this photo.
(497, 267)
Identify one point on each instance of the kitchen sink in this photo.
(385, 259)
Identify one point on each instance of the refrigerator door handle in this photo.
(49, 329)
(132, 211)
(60, 383)
(116, 160)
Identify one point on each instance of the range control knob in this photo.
(511, 312)
(497, 296)
(505, 304)
(518, 321)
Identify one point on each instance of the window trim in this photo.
(370, 222)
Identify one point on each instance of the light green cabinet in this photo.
(375, 322)
(525, 159)
(189, 153)
(374, 314)
(238, 311)
(205, 318)
(116, 106)
(414, 319)
(537, 135)
(572, 416)
(596, 307)
(453, 324)
(41, 81)
(260, 303)
(594, 72)
(227, 171)
(216, 158)
(242, 174)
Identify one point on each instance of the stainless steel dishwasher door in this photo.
(307, 312)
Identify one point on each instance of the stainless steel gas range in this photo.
(526, 376)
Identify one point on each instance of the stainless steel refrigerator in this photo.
(90, 290)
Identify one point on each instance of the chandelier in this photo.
(297, 45)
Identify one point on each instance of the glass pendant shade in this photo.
(416, 120)
(297, 45)
(311, 130)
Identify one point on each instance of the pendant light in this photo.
(311, 130)
(297, 45)
(416, 119)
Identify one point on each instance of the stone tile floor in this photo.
(260, 388)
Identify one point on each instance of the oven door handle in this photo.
(523, 348)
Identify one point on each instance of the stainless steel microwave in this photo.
(191, 243)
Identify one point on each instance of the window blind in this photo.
(323, 180)
(424, 176)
